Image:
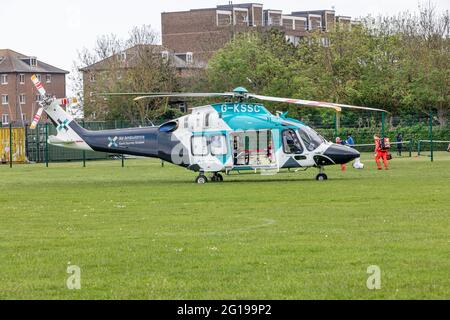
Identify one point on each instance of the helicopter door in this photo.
(253, 149)
(294, 151)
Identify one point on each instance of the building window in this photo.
(33, 62)
(165, 55)
(293, 39)
(22, 99)
(122, 56)
(189, 57)
(38, 98)
(24, 117)
(92, 77)
(223, 18)
(5, 99)
(5, 119)
(48, 78)
(22, 78)
(38, 76)
(4, 79)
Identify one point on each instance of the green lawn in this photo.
(146, 232)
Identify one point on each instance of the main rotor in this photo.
(240, 94)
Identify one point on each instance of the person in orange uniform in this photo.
(381, 153)
(343, 166)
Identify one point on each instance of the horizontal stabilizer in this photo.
(56, 140)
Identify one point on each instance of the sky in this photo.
(55, 30)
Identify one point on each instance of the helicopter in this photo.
(238, 135)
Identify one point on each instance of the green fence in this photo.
(37, 147)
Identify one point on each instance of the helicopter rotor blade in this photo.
(130, 94)
(184, 95)
(317, 104)
(38, 85)
(242, 94)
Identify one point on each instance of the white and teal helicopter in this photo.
(213, 139)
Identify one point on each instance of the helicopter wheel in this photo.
(217, 177)
(201, 179)
(321, 177)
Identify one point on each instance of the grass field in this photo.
(146, 232)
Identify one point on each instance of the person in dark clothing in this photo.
(350, 141)
(399, 144)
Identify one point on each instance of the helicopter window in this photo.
(311, 139)
(199, 146)
(218, 145)
(207, 116)
(291, 143)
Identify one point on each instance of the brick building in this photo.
(19, 98)
(201, 32)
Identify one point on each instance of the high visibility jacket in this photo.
(378, 146)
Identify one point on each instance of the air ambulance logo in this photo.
(113, 142)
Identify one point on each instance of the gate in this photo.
(16, 137)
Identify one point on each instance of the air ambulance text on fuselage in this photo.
(241, 108)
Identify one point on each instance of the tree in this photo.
(132, 65)
(398, 63)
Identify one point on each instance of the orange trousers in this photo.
(382, 155)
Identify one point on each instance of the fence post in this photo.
(123, 161)
(10, 146)
(46, 145)
(419, 145)
(431, 135)
(410, 148)
(38, 144)
(84, 152)
(27, 155)
(383, 125)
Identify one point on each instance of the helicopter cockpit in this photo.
(300, 140)
(311, 139)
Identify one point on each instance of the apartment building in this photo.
(201, 32)
(19, 98)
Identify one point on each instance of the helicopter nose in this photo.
(341, 154)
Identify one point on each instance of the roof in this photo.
(131, 54)
(14, 62)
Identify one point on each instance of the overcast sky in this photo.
(53, 30)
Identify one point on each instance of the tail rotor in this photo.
(46, 101)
